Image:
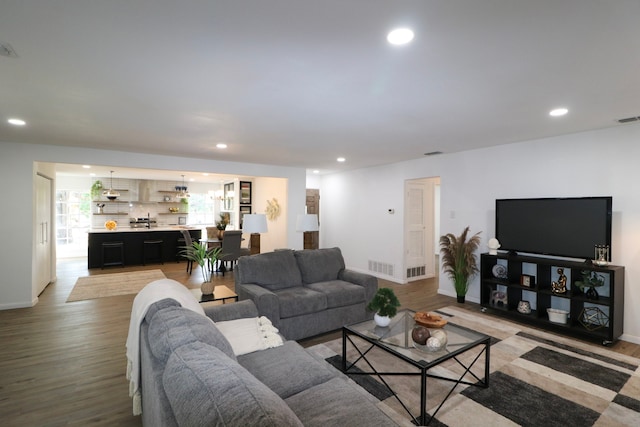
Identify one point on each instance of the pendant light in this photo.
(182, 191)
(111, 194)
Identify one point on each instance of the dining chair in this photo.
(231, 249)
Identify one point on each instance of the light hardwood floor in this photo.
(63, 364)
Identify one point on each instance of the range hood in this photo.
(146, 188)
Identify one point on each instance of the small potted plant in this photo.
(590, 281)
(459, 261)
(96, 190)
(385, 305)
(205, 257)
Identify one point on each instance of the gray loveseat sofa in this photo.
(305, 292)
(191, 377)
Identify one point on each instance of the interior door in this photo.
(44, 231)
(312, 238)
(419, 229)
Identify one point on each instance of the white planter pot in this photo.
(382, 321)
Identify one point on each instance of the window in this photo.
(201, 209)
(73, 220)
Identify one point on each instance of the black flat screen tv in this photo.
(566, 227)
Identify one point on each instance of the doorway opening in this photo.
(422, 225)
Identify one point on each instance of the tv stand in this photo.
(538, 281)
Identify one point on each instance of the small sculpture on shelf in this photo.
(560, 286)
(499, 299)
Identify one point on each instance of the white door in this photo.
(43, 245)
(419, 229)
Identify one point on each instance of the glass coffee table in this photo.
(396, 340)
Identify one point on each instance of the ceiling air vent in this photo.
(433, 153)
(7, 50)
(629, 120)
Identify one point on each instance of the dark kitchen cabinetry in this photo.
(133, 244)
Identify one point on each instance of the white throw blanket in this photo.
(153, 292)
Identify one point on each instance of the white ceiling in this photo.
(297, 82)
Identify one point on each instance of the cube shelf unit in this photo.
(598, 319)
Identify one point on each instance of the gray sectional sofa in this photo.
(191, 377)
(305, 292)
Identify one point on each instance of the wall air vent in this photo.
(381, 267)
(629, 119)
(7, 50)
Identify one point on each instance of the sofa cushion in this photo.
(336, 403)
(339, 293)
(173, 327)
(319, 265)
(286, 370)
(273, 270)
(300, 300)
(206, 388)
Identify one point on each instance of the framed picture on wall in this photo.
(245, 193)
(243, 211)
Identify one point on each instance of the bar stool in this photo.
(117, 249)
(151, 248)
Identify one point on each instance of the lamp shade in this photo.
(254, 223)
(307, 222)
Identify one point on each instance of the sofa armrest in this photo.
(265, 300)
(240, 310)
(369, 282)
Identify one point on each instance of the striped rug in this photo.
(537, 379)
(112, 284)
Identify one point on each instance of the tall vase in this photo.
(461, 299)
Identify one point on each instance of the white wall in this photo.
(269, 189)
(17, 171)
(598, 163)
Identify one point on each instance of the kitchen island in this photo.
(133, 243)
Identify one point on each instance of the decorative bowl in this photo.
(430, 320)
(557, 315)
(110, 225)
(436, 342)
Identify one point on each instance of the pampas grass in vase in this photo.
(458, 259)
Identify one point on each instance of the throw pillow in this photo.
(250, 334)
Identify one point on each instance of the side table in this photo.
(220, 293)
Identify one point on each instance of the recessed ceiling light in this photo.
(400, 36)
(17, 122)
(316, 171)
(86, 167)
(341, 159)
(221, 145)
(558, 112)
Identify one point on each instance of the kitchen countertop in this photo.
(127, 229)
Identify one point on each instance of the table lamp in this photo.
(254, 224)
(307, 223)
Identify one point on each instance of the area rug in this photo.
(112, 284)
(537, 378)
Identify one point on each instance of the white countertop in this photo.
(127, 229)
